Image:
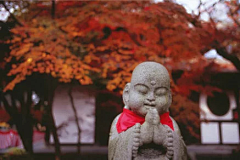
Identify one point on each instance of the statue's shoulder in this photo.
(113, 126)
(116, 119)
(175, 126)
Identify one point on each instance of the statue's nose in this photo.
(151, 97)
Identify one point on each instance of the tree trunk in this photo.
(76, 119)
(51, 89)
(53, 9)
(22, 120)
(55, 135)
(25, 130)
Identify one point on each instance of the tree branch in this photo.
(7, 107)
(224, 53)
(29, 101)
(53, 9)
(2, 2)
(232, 15)
(36, 14)
(13, 101)
(75, 117)
(132, 35)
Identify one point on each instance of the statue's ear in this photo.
(126, 94)
(169, 99)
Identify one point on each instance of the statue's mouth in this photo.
(149, 106)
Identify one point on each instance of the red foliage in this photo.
(106, 40)
(110, 39)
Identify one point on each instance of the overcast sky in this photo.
(220, 13)
(192, 7)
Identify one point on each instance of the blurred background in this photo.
(64, 64)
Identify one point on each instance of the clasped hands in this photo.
(152, 131)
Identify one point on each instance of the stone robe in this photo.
(121, 146)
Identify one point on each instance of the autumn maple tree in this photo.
(105, 38)
(96, 42)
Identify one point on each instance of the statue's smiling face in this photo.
(149, 88)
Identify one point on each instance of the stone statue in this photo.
(144, 130)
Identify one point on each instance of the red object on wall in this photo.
(9, 139)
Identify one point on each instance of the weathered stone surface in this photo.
(149, 96)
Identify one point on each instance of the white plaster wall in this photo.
(210, 131)
(84, 101)
(205, 112)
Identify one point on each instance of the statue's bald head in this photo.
(151, 70)
(149, 88)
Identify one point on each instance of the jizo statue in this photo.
(144, 130)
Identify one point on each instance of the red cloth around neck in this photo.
(128, 119)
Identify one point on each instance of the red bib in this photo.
(128, 119)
